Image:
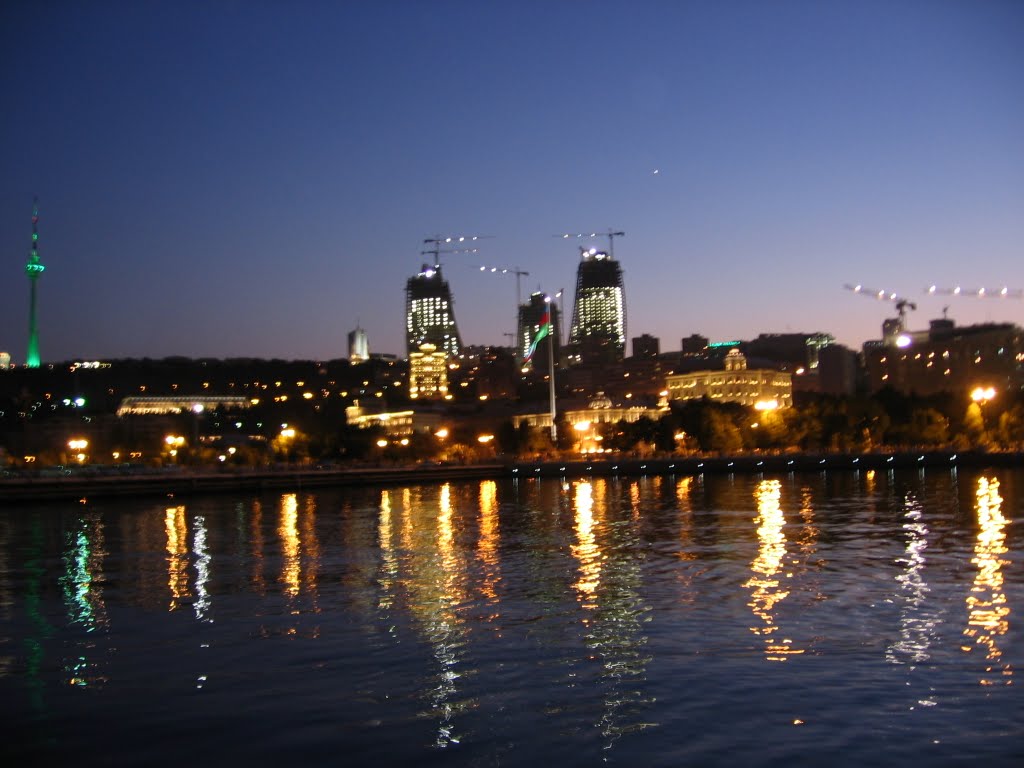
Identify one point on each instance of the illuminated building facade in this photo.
(162, 406)
(358, 346)
(598, 330)
(584, 421)
(430, 313)
(530, 316)
(735, 384)
(428, 373)
(946, 358)
(34, 270)
(5, 360)
(394, 423)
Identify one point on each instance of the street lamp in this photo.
(983, 394)
(174, 442)
(78, 446)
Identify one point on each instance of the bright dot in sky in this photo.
(656, 171)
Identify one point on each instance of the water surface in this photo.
(841, 618)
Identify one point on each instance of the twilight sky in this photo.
(249, 178)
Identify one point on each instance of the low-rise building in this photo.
(947, 358)
(735, 383)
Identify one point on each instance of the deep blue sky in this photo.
(254, 178)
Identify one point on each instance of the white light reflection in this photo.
(443, 624)
(988, 611)
(917, 623)
(431, 574)
(609, 592)
(201, 606)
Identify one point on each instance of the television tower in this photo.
(34, 268)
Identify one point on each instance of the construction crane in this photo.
(980, 293)
(438, 240)
(519, 273)
(892, 329)
(902, 304)
(610, 234)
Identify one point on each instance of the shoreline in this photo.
(204, 481)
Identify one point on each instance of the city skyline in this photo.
(257, 181)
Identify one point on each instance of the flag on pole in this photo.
(544, 330)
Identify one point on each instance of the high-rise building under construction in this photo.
(430, 312)
(531, 321)
(598, 330)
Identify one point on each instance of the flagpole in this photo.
(551, 373)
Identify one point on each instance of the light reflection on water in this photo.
(989, 612)
(767, 582)
(590, 619)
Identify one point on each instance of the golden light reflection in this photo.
(988, 612)
(487, 547)
(683, 490)
(766, 587)
(288, 530)
(586, 550)
(311, 550)
(389, 563)
(256, 555)
(177, 555)
(434, 579)
(634, 500)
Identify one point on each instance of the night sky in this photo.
(254, 179)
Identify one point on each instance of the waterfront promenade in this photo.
(78, 484)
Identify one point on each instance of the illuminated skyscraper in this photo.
(598, 330)
(430, 313)
(34, 268)
(358, 346)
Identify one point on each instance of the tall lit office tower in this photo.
(531, 322)
(430, 312)
(34, 268)
(358, 346)
(598, 330)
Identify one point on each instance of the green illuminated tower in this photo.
(34, 268)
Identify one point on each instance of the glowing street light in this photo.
(79, 444)
(983, 394)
